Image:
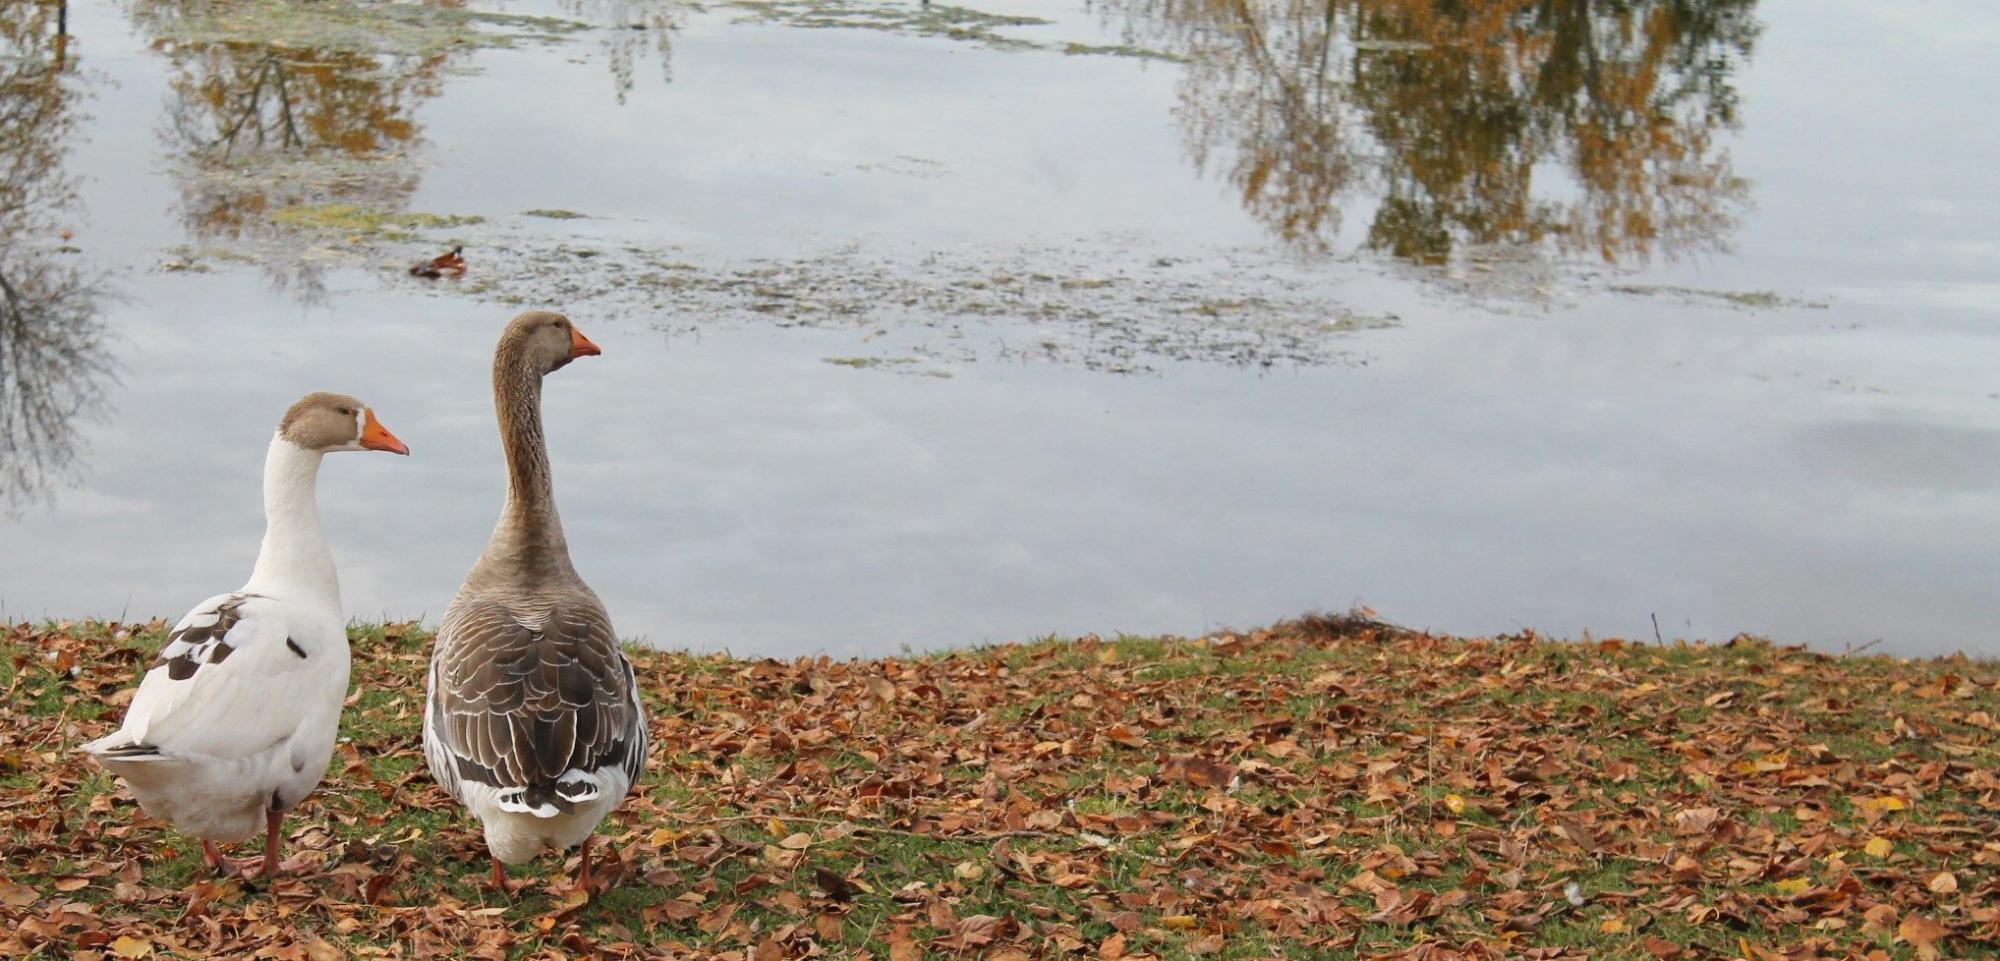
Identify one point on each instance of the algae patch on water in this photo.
(1093, 303)
(905, 365)
(1743, 299)
(939, 20)
(355, 26)
(356, 220)
(943, 21)
(1120, 50)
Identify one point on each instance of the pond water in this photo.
(930, 326)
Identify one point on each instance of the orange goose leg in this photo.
(271, 819)
(216, 861)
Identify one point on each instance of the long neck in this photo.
(294, 561)
(528, 541)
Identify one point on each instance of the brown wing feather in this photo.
(527, 694)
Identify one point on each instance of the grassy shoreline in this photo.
(1330, 787)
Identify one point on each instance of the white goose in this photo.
(533, 720)
(234, 723)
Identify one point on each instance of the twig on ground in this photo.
(860, 828)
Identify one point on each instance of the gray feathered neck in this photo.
(527, 545)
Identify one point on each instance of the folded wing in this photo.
(539, 705)
(230, 682)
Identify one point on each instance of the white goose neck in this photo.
(294, 563)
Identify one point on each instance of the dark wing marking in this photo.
(296, 649)
(196, 644)
(523, 697)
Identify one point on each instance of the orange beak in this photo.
(374, 436)
(580, 346)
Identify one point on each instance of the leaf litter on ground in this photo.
(1330, 787)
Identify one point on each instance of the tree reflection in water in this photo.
(53, 357)
(634, 30)
(258, 127)
(1442, 114)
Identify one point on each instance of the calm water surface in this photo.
(932, 328)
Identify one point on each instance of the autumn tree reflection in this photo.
(256, 126)
(53, 361)
(1588, 126)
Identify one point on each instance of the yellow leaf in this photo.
(1878, 847)
(1944, 883)
(1178, 922)
(1455, 803)
(1887, 802)
(1793, 885)
(1611, 926)
(664, 836)
(776, 827)
(782, 857)
(1762, 765)
(128, 946)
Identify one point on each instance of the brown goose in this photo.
(534, 721)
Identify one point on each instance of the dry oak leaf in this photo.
(1923, 934)
(1662, 948)
(1112, 948)
(1696, 820)
(978, 929)
(322, 951)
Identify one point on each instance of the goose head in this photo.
(546, 341)
(327, 422)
